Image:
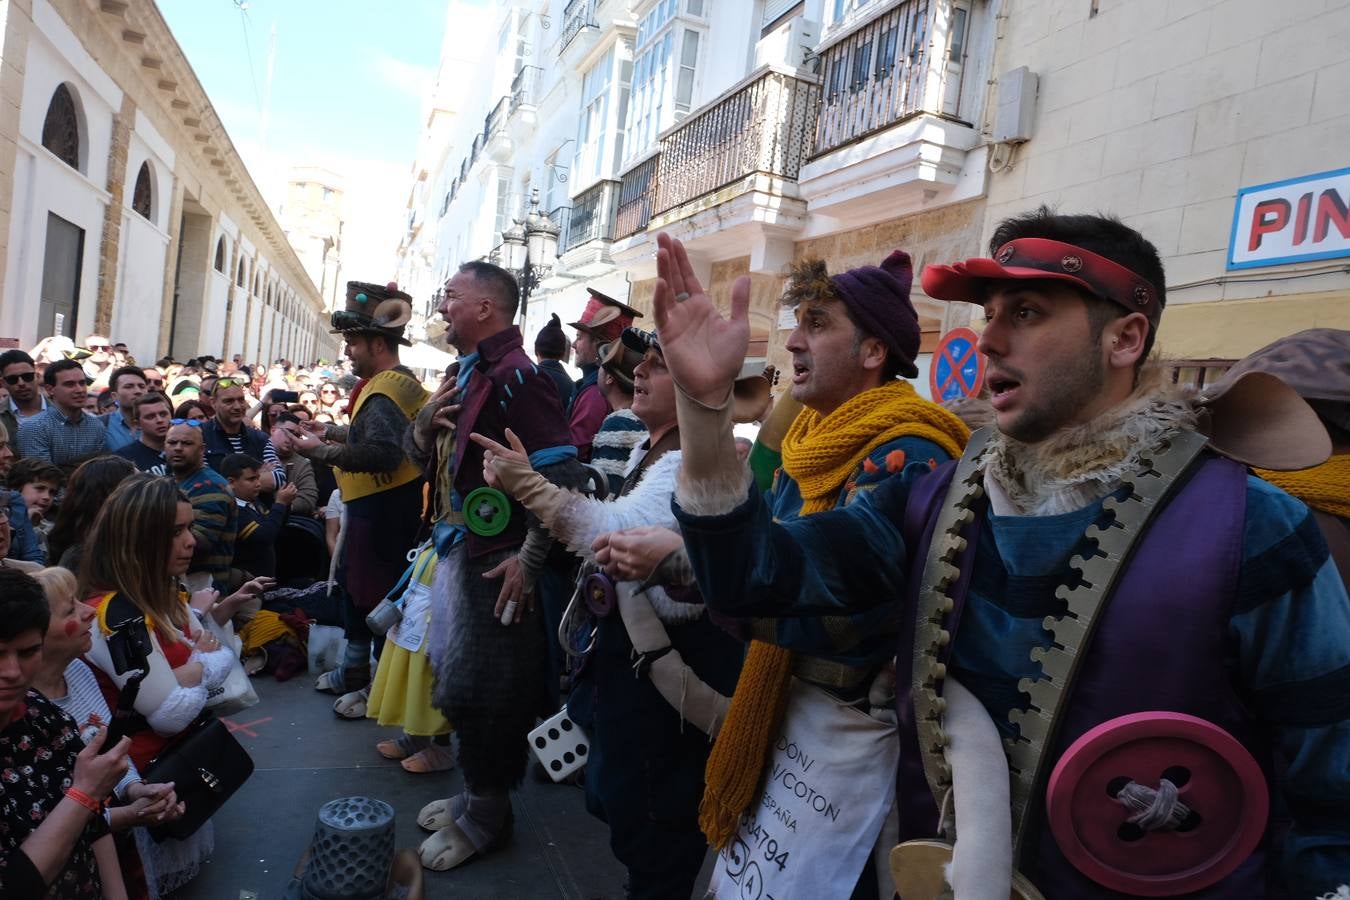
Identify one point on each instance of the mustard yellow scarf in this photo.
(1325, 487)
(819, 453)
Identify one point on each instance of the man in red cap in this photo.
(602, 321)
(1119, 649)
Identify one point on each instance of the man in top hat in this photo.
(381, 487)
(1125, 659)
(602, 321)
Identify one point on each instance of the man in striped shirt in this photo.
(214, 515)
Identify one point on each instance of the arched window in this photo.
(220, 255)
(141, 201)
(257, 283)
(239, 276)
(61, 128)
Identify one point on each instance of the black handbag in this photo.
(206, 767)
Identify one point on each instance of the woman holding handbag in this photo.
(141, 544)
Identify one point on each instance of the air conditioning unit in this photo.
(791, 44)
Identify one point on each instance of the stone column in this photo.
(110, 248)
(170, 268)
(16, 20)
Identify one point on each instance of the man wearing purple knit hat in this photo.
(855, 423)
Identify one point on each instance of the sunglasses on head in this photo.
(25, 377)
(194, 422)
(222, 383)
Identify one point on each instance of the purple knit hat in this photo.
(878, 297)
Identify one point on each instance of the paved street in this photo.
(305, 757)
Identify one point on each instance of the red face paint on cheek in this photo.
(71, 627)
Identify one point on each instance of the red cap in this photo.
(1040, 258)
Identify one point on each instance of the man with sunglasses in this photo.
(154, 379)
(21, 380)
(100, 363)
(65, 435)
(227, 432)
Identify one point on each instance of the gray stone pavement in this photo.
(305, 756)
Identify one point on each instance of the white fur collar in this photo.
(1078, 466)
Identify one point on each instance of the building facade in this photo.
(312, 218)
(760, 133)
(124, 208)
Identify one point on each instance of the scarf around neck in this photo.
(819, 453)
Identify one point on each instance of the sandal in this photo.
(353, 705)
(433, 758)
(401, 747)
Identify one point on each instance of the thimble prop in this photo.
(352, 852)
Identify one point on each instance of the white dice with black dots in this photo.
(560, 745)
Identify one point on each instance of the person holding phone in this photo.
(54, 838)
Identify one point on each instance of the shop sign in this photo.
(1290, 221)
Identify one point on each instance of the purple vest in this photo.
(1161, 644)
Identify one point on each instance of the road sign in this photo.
(958, 368)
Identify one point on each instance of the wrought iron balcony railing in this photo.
(764, 127)
(525, 87)
(592, 215)
(495, 120)
(577, 16)
(637, 189)
(562, 217)
(874, 77)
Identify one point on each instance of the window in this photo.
(838, 75)
(684, 87)
(862, 58)
(594, 126)
(61, 128)
(838, 10)
(957, 44)
(503, 220)
(220, 255)
(239, 274)
(141, 201)
(886, 51)
(327, 195)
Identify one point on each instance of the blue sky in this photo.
(347, 92)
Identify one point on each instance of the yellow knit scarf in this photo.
(1325, 487)
(819, 453)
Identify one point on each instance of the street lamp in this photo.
(529, 249)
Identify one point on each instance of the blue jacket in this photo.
(24, 544)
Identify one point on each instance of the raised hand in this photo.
(493, 451)
(703, 350)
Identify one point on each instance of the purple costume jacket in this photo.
(507, 390)
(1159, 645)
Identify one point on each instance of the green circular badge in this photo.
(487, 511)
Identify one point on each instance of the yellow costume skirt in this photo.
(401, 694)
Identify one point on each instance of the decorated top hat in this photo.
(373, 309)
(605, 318)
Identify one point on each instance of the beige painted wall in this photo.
(1158, 111)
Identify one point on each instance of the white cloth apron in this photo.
(828, 786)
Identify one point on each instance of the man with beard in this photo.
(26, 399)
(486, 641)
(380, 485)
(602, 321)
(127, 384)
(1119, 581)
(214, 517)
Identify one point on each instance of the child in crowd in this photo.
(255, 550)
(40, 482)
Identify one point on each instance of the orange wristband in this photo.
(84, 800)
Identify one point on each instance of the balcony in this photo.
(496, 139)
(592, 218)
(636, 192)
(874, 77)
(888, 138)
(578, 15)
(525, 88)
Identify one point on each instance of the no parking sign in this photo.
(958, 368)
